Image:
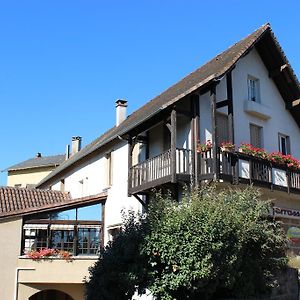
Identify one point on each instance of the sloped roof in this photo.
(212, 70)
(38, 162)
(22, 201)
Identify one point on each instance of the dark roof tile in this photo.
(37, 162)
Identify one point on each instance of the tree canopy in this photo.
(210, 244)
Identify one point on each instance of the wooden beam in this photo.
(140, 200)
(276, 72)
(195, 130)
(130, 150)
(293, 104)
(230, 107)
(173, 145)
(222, 103)
(296, 102)
(183, 112)
(141, 139)
(169, 126)
(214, 129)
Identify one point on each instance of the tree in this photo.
(121, 267)
(212, 244)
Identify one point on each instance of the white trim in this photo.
(35, 226)
(61, 227)
(89, 226)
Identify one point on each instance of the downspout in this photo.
(17, 280)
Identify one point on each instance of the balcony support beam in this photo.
(195, 130)
(130, 150)
(214, 149)
(230, 107)
(173, 145)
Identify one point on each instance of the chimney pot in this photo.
(39, 154)
(121, 111)
(76, 144)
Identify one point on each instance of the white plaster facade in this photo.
(280, 121)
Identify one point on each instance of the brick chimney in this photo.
(121, 111)
(76, 144)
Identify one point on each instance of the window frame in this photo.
(287, 143)
(255, 89)
(260, 130)
(53, 225)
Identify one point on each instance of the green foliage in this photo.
(212, 244)
(121, 266)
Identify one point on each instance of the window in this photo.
(77, 230)
(253, 89)
(88, 239)
(256, 136)
(284, 144)
(35, 236)
(62, 237)
(222, 128)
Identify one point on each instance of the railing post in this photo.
(195, 130)
(214, 132)
(130, 149)
(173, 145)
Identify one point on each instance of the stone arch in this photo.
(50, 295)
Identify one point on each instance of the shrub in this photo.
(213, 243)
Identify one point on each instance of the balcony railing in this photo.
(158, 170)
(238, 167)
(234, 167)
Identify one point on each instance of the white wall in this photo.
(205, 110)
(94, 173)
(281, 120)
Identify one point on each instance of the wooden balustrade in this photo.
(157, 170)
(232, 166)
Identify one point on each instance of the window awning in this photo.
(35, 226)
(89, 226)
(61, 227)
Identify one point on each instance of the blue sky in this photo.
(64, 63)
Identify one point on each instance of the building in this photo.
(30, 172)
(32, 219)
(247, 94)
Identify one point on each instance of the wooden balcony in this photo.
(240, 168)
(159, 170)
(233, 167)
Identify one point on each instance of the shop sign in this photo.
(286, 212)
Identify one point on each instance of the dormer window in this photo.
(253, 89)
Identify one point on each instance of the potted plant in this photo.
(227, 147)
(202, 148)
(253, 151)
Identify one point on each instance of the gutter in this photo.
(17, 280)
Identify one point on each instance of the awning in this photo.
(61, 227)
(35, 226)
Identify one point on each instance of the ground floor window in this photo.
(63, 239)
(76, 239)
(77, 230)
(88, 240)
(35, 236)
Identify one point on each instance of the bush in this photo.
(212, 244)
